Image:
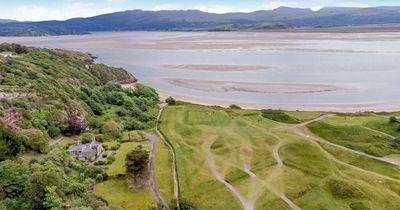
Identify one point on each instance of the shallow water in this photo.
(365, 67)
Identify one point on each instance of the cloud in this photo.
(71, 10)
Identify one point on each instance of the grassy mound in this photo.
(279, 116)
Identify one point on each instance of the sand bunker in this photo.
(226, 86)
(209, 67)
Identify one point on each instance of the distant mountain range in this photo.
(282, 17)
(7, 21)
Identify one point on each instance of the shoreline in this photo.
(340, 108)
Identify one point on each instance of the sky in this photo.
(36, 10)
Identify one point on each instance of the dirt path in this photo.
(320, 140)
(275, 153)
(247, 205)
(277, 172)
(314, 120)
(248, 170)
(174, 166)
(376, 131)
(153, 186)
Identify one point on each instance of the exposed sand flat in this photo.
(184, 45)
(226, 86)
(209, 67)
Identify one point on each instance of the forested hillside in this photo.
(48, 100)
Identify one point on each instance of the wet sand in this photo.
(209, 67)
(227, 86)
(323, 107)
(298, 69)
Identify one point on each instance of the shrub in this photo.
(279, 116)
(234, 106)
(115, 147)
(393, 119)
(358, 206)
(186, 205)
(87, 138)
(110, 159)
(53, 131)
(170, 101)
(396, 143)
(136, 136)
(341, 189)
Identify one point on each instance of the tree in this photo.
(76, 125)
(35, 191)
(37, 140)
(116, 98)
(112, 128)
(147, 92)
(136, 162)
(52, 200)
(170, 101)
(11, 143)
(13, 178)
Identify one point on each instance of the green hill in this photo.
(48, 100)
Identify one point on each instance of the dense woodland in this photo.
(47, 94)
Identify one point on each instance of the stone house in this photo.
(87, 152)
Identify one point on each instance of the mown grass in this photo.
(117, 193)
(118, 166)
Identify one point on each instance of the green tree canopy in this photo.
(136, 162)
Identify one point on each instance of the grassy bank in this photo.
(313, 175)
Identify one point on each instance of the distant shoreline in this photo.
(326, 29)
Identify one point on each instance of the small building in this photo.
(87, 152)
(6, 54)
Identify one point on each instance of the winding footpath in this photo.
(247, 205)
(153, 186)
(276, 173)
(320, 140)
(174, 167)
